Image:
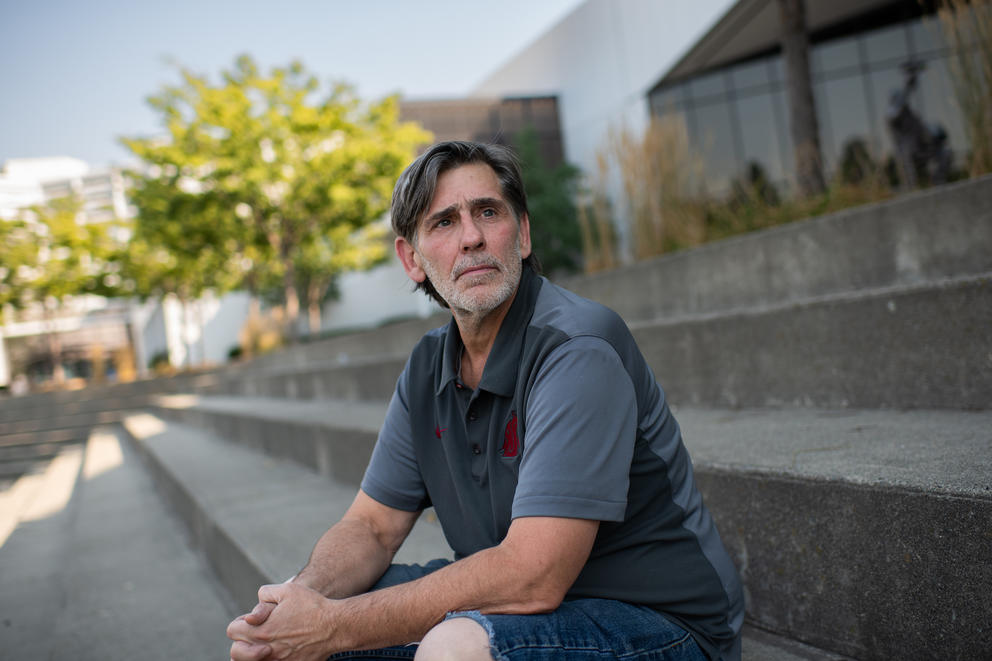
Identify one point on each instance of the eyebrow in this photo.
(474, 204)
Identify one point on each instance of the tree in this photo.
(278, 174)
(802, 110)
(551, 191)
(51, 255)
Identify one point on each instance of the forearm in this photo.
(502, 579)
(347, 560)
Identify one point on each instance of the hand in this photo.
(290, 622)
(243, 651)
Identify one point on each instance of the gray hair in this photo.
(416, 187)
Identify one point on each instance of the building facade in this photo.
(729, 88)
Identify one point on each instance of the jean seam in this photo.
(597, 650)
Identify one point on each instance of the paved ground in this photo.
(92, 566)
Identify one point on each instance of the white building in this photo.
(94, 330)
(600, 61)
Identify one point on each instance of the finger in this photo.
(273, 593)
(260, 613)
(242, 651)
(241, 630)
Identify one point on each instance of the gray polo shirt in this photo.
(568, 421)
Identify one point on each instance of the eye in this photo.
(488, 212)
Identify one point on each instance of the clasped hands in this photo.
(290, 622)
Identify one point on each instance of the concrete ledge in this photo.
(333, 438)
(870, 572)
(370, 378)
(850, 527)
(926, 347)
(919, 237)
(923, 346)
(235, 503)
(865, 532)
(927, 235)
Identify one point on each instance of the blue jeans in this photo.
(581, 629)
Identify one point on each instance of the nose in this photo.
(472, 237)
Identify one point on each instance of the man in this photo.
(534, 427)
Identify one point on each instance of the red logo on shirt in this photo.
(438, 430)
(511, 442)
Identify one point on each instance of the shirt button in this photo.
(472, 415)
(476, 449)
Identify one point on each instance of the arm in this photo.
(346, 560)
(350, 557)
(529, 572)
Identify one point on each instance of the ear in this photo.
(524, 229)
(410, 260)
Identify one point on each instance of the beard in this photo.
(492, 290)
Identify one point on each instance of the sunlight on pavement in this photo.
(103, 453)
(143, 425)
(37, 496)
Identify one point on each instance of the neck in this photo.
(478, 333)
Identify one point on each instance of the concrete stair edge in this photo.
(235, 554)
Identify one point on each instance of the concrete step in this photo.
(929, 235)
(921, 346)
(855, 530)
(369, 378)
(93, 566)
(235, 500)
(925, 236)
(94, 398)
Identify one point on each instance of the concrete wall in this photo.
(371, 297)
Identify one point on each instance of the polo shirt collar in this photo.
(500, 374)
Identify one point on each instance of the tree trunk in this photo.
(292, 308)
(315, 297)
(202, 331)
(802, 109)
(54, 347)
(184, 305)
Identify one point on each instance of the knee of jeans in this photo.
(456, 639)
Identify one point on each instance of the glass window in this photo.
(760, 137)
(887, 45)
(938, 106)
(926, 36)
(751, 75)
(883, 84)
(780, 106)
(777, 69)
(837, 55)
(708, 86)
(713, 137)
(667, 99)
(843, 116)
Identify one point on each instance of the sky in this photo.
(75, 74)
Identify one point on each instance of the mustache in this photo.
(467, 264)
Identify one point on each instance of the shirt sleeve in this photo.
(581, 423)
(393, 475)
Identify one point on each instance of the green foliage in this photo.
(263, 183)
(555, 231)
(50, 255)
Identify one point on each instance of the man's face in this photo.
(468, 242)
